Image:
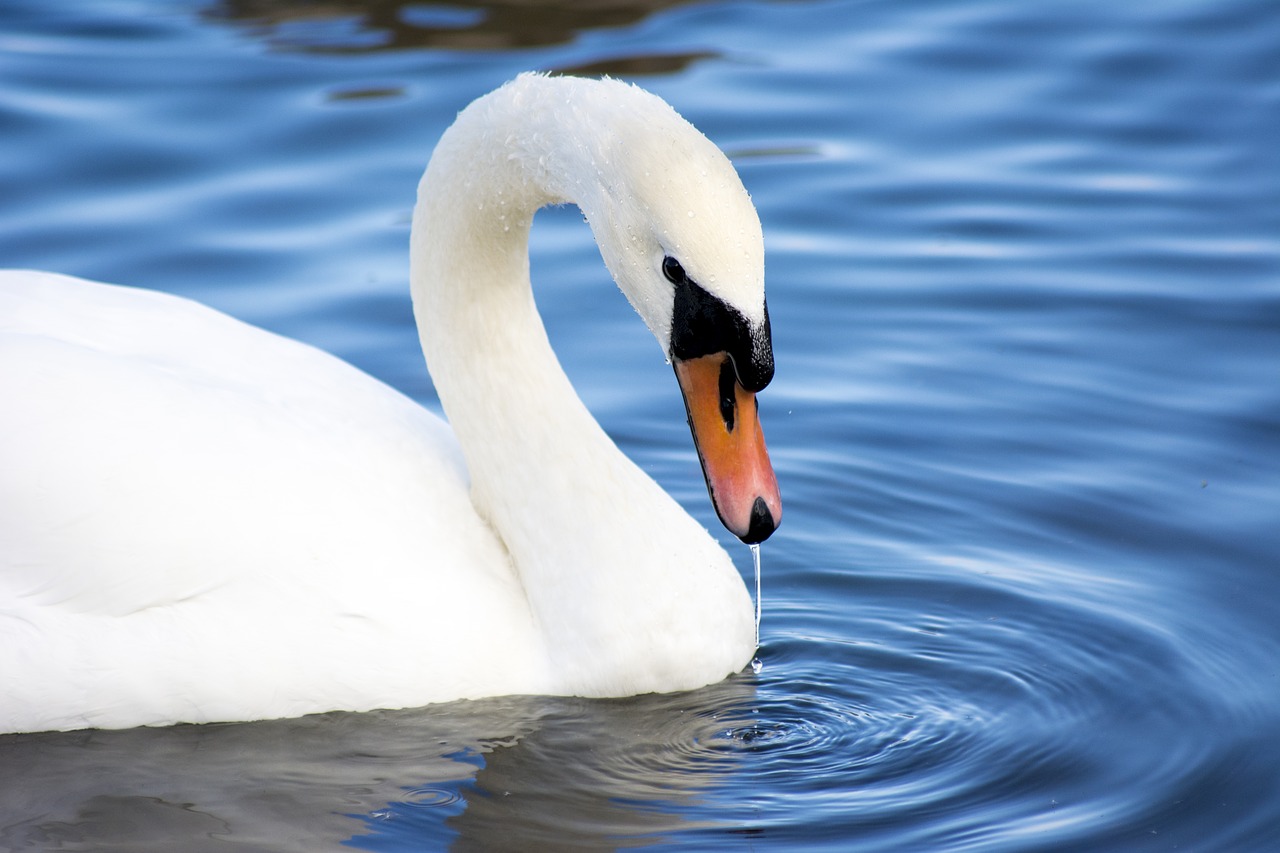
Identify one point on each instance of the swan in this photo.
(202, 521)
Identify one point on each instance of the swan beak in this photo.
(726, 430)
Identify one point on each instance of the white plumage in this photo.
(201, 520)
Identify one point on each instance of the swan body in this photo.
(203, 521)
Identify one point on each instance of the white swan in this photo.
(202, 521)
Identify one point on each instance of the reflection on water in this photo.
(637, 66)
(360, 26)
(551, 772)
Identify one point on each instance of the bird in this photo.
(203, 521)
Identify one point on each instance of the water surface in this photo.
(1024, 276)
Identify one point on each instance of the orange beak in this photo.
(726, 430)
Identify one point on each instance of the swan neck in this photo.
(595, 543)
(498, 379)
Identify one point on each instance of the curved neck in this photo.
(497, 376)
(595, 542)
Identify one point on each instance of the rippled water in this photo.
(1024, 271)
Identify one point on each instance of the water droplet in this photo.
(756, 665)
(755, 556)
(755, 559)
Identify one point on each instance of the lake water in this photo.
(1024, 275)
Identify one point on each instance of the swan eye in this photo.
(673, 271)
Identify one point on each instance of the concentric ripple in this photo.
(965, 694)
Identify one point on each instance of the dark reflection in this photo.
(595, 773)
(637, 66)
(540, 773)
(592, 775)
(355, 26)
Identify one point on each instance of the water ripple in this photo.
(948, 706)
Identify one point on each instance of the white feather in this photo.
(200, 520)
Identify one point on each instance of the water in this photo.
(1023, 263)
(757, 664)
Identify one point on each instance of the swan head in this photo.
(675, 227)
(682, 239)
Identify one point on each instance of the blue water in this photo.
(1024, 275)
